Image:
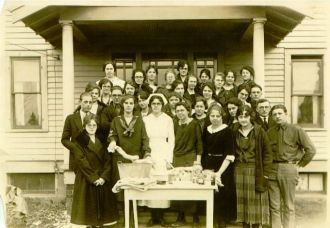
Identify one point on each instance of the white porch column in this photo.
(259, 51)
(68, 75)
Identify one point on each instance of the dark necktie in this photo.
(265, 120)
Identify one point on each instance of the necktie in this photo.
(265, 120)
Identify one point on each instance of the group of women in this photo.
(205, 122)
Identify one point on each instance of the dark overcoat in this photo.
(92, 205)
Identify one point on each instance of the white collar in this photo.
(221, 127)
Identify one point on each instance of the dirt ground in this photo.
(51, 213)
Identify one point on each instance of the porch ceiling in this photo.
(212, 32)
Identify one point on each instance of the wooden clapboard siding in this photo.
(310, 33)
(36, 150)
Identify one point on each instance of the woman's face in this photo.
(109, 70)
(173, 101)
(128, 105)
(207, 93)
(95, 95)
(246, 75)
(91, 127)
(243, 95)
(151, 74)
(199, 108)
(244, 119)
(218, 81)
(170, 78)
(138, 78)
(183, 70)
(192, 82)
(143, 103)
(232, 109)
(181, 112)
(179, 89)
(215, 118)
(204, 77)
(230, 78)
(106, 88)
(156, 106)
(129, 89)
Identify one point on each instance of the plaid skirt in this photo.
(252, 206)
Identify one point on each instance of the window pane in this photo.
(26, 75)
(27, 110)
(306, 77)
(306, 110)
(34, 183)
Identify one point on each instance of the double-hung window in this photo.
(28, 86)
(307, 90)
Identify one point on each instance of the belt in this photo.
(285, 162)
(215, 155)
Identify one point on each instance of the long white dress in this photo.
(160, 131)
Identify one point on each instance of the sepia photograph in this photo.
(164, 113)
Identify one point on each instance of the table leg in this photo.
(126, 212)
(136, 222)
(209, 211)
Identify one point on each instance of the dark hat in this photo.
(248, 68)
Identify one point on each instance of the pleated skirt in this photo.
(252, 206)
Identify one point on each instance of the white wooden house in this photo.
(52, 51)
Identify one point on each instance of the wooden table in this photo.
(180, 191)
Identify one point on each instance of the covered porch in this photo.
(214, 37)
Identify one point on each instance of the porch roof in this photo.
(107, 26)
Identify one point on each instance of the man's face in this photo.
(255, 93)
(279, 116)
(263, 109)
(86, 103)
(116, 96)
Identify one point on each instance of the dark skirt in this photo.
(252, 206)
(184, 161)
(225, 198)
(93, 205)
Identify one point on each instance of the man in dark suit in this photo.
(262, 114)
(73, 125)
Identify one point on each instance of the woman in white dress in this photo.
(160, 129)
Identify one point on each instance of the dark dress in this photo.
(216, 146)
(92, 205)
(188, 143)
(132, 138)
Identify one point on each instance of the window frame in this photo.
(43, 90)
(291, 54)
